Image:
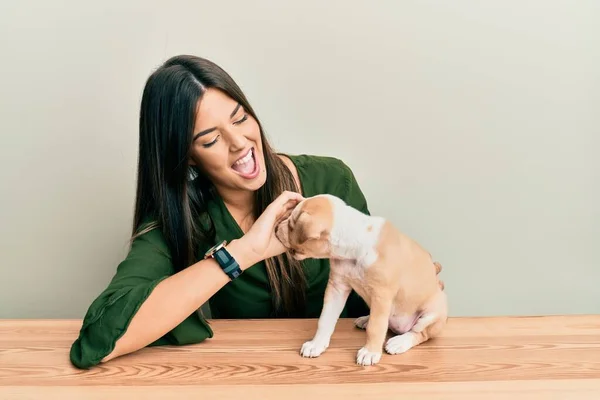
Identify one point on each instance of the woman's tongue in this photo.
(245, 168)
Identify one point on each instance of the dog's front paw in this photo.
(313, 348)
(362, 322)
(366, 357)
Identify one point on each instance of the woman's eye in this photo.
(244, 118)
(207, 145)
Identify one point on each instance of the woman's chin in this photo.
(258, 182)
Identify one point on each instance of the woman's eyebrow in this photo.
(207, 131)
(235, 110)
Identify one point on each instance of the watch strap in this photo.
(227, 263)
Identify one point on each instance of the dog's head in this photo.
(307, 231)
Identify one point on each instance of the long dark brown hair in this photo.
(176, 204)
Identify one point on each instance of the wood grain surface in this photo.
(554, 357)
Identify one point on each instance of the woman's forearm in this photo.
(174, 299)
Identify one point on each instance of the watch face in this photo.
(213, 249)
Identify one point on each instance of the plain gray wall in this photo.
(472, 125)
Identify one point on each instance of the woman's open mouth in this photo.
(246, 166)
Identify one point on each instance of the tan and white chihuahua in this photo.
(393, 274)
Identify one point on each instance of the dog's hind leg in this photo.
(417, 335)
(429, 325)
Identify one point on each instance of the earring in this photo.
(192, 173)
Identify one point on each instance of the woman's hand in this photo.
(260, 242)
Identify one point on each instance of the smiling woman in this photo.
(192, 105)
(210, 193)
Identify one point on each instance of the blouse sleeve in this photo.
(146, 265)
(354, 195)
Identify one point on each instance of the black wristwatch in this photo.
(224, 259)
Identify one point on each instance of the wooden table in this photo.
(500, 358)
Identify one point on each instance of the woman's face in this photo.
(226, 144)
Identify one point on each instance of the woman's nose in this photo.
(237, 141)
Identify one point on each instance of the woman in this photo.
(207, 176)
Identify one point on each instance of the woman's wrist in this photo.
(242, 253)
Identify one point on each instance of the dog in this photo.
(394, 275)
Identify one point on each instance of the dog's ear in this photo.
(307, 227)
(287, 214)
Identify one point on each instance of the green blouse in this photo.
(249, 296)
